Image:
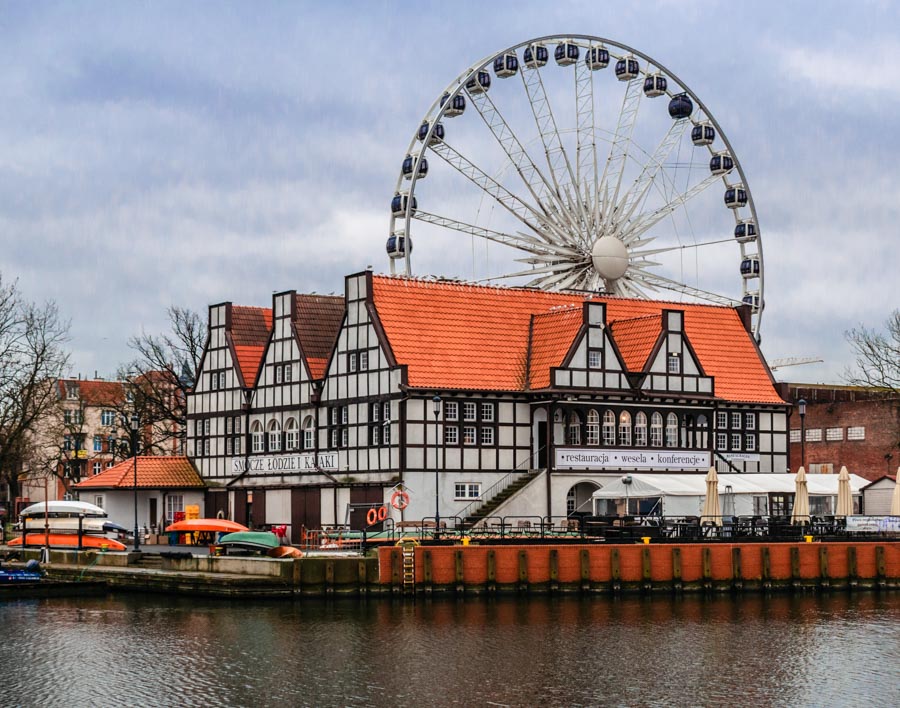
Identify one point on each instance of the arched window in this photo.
(274, 436)
(309, 433)
(701, 431)
(640, 429)
(687, 429)
(573, 429)
(625, 429)
(256, 437)
(671, 430)
(656, 430)
(291, 434)
(593, 428)
(609, 428)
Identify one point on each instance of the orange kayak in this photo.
(213, 525)
(70, 540)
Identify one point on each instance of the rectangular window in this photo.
(237, 446)
(736, 441)
(228, 426)
(352, 362)
(856, 433)
(721, 441)
(673, 364)
(274, 440)
(67, 442)
(376, 412)
(487, 412)
(376, 430)
(227, 446)
(750, 443)
(206, 447)
(345, 437)
(721, 419)
(278, 374)
(750, 421)
(386, 411)
(451, 410)
(386, 432)
(795, 435)
(214, 381)
(237, 425)
(291, 438)
(451, 435)
(736, 420)
(470, 411)
(288, 373)
(334, 415)
(308, 439)
(334, 438)
(221, 379)
(97, 466)
(467, 490)
(814, 435)
(822, 468)
(98, 444)
(206, 426)
(364, 361)
(98, 500)
(108, 418)
(67, 417)
(834, 433)
(487, 435)
(345, 414)
(174, 504)
(595, 359)
(469, 435)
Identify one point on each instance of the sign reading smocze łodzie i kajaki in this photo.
(287, 463)
(574, 458)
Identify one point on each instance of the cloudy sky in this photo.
(189, 153)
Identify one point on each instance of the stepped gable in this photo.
(466, 336)
(635, 339)
(551, 336)
(250, 328)
(152, 473)
(318, 320)
(460, 335)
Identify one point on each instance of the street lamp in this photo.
(436, 405)
(135, 423)
(801, 405)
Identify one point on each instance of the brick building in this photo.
(845, 426)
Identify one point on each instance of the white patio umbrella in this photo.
(895, 500)
(711, 513)
(800, 514)
(844, 498)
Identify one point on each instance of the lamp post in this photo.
(801, 405)
(436, 406)
(135, 423)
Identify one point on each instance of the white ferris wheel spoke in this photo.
(646, 221)
(678, 247)
(661, 282)
(520, 240)
(618, 151)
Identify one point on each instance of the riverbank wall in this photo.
(412, 570)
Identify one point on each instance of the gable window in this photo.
(640, 429)
(351, 358)
(451, 410)
(656, 430)
(288, 373)
(609, 428)
(364, 361)
(214, 381)
(592, 429)
(673, 364)
(291, 435)
(625, 429)
(595, 359)
(279, 371)
(221, 379)
(256, 437)
(108, 418)
(470, 411)
(671, 430)
(308, 433)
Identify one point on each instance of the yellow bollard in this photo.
(645, 539)
(808, 539)
(465, 540)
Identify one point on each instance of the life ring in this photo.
(382, 512)
(400, 500)
(372, 516)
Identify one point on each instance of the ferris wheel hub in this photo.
(610, 258)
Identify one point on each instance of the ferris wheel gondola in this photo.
(586, 201)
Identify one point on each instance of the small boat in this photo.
(285, 552)
(67, 517)
(208, 525)
(253, 540)
(63, 508)
(69, 540)
(31, 573)
(67, 524)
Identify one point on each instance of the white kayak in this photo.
(63, 508)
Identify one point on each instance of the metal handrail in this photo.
(499, 486)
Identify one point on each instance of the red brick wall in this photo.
(844, 407)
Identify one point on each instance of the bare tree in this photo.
(32, 358)
(159, 378)
(877, 356)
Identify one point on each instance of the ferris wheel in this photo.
(596, 169)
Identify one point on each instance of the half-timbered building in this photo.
(321, 406)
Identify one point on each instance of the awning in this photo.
(655, 485)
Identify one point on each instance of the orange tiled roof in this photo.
(551, 337)
(318, 321)
(95, 392)
(152, 473)
(460, 335)
(250, 327)
(635, 339)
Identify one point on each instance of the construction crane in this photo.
(776, 364)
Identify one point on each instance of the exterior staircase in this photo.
(149, 561)
(495, 496)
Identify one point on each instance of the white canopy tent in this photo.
(740, 494)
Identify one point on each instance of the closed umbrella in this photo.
(895, 500)
(711, 513)
(844, 499)
(800, 514)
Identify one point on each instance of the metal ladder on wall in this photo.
(408, 557)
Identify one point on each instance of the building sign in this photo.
(741, 456)
(327, 461)
(192, 511)
(656, 460)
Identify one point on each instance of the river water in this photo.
(831, 650)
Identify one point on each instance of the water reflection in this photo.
(137, 650)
